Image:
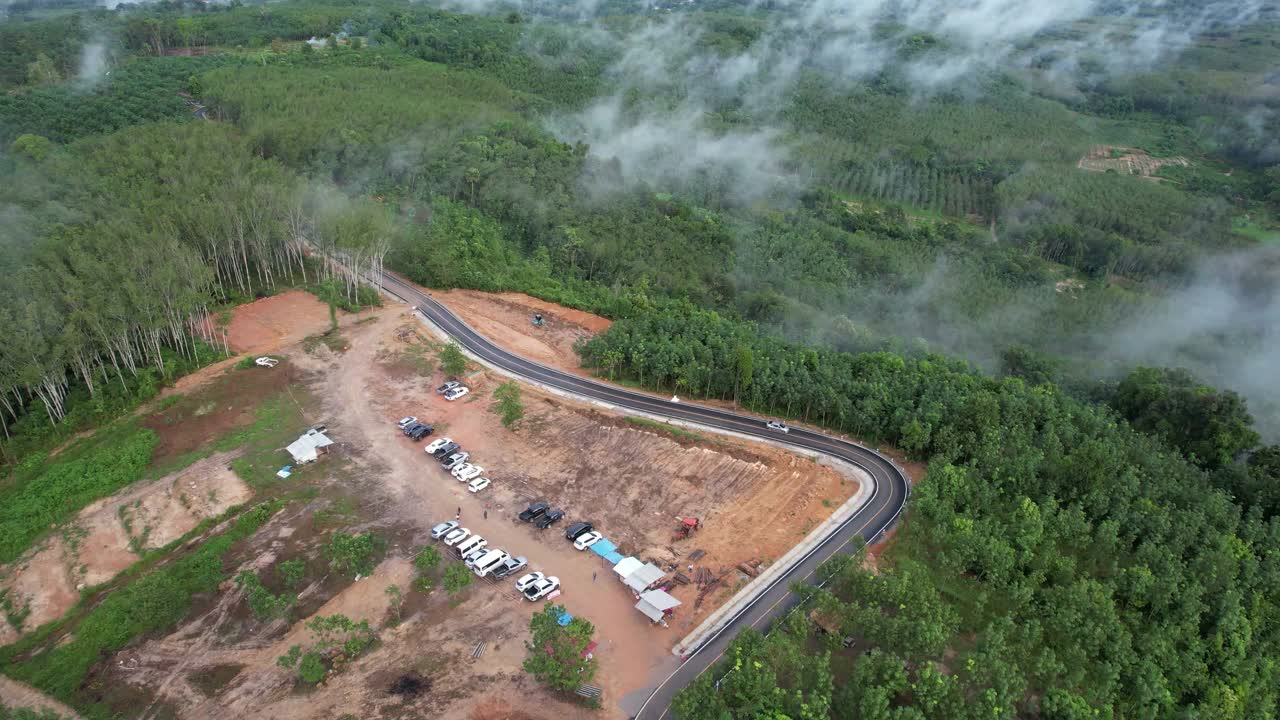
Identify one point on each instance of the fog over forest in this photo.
(659, 122)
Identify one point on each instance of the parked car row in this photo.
(484, 561)
(413, 429)
(452, 390)
(543, 516)
(454, 459)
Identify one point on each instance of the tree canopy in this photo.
(556, 655)
(1212, 427)
(1054, 558)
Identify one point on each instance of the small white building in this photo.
(657, 604)
(309, 446)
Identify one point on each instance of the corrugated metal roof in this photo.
(660, 599)
(654, 602)
(644, 577)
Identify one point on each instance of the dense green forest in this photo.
(1056, 562)
(1083, 354)
(141, 233)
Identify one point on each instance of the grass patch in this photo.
(421, 357)
(166, 403)
(339, 512)
(277, 422)
(1250, 228)
(44, 492)
(331, 339)
(24, 713)
(15, 613)
(152, 602)
(671, 430)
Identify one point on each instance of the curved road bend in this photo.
(888, 496)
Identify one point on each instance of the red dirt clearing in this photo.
(507, 319)
(263, 325)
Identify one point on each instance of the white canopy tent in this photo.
(626, 566)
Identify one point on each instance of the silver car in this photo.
(455, 460)
(443, 529)
(512, 565)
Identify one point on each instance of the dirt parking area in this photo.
(113, 533)
(633, 479)
(636, 481)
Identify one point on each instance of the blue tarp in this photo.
(564, 619)
(613, 558)
(603, 547)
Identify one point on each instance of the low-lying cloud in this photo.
(93, 62)
(673, 147)
(1223, 325)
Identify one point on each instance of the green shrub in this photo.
(456, 579)
(264, 605)
(354, 554)
(509, 404)
(452, 361)
(312, 669)
(328, 632)
(427, 558)
(290, 659)
(292, 572)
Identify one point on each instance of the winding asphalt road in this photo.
(888, 496)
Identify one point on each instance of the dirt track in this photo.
(20, 695)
